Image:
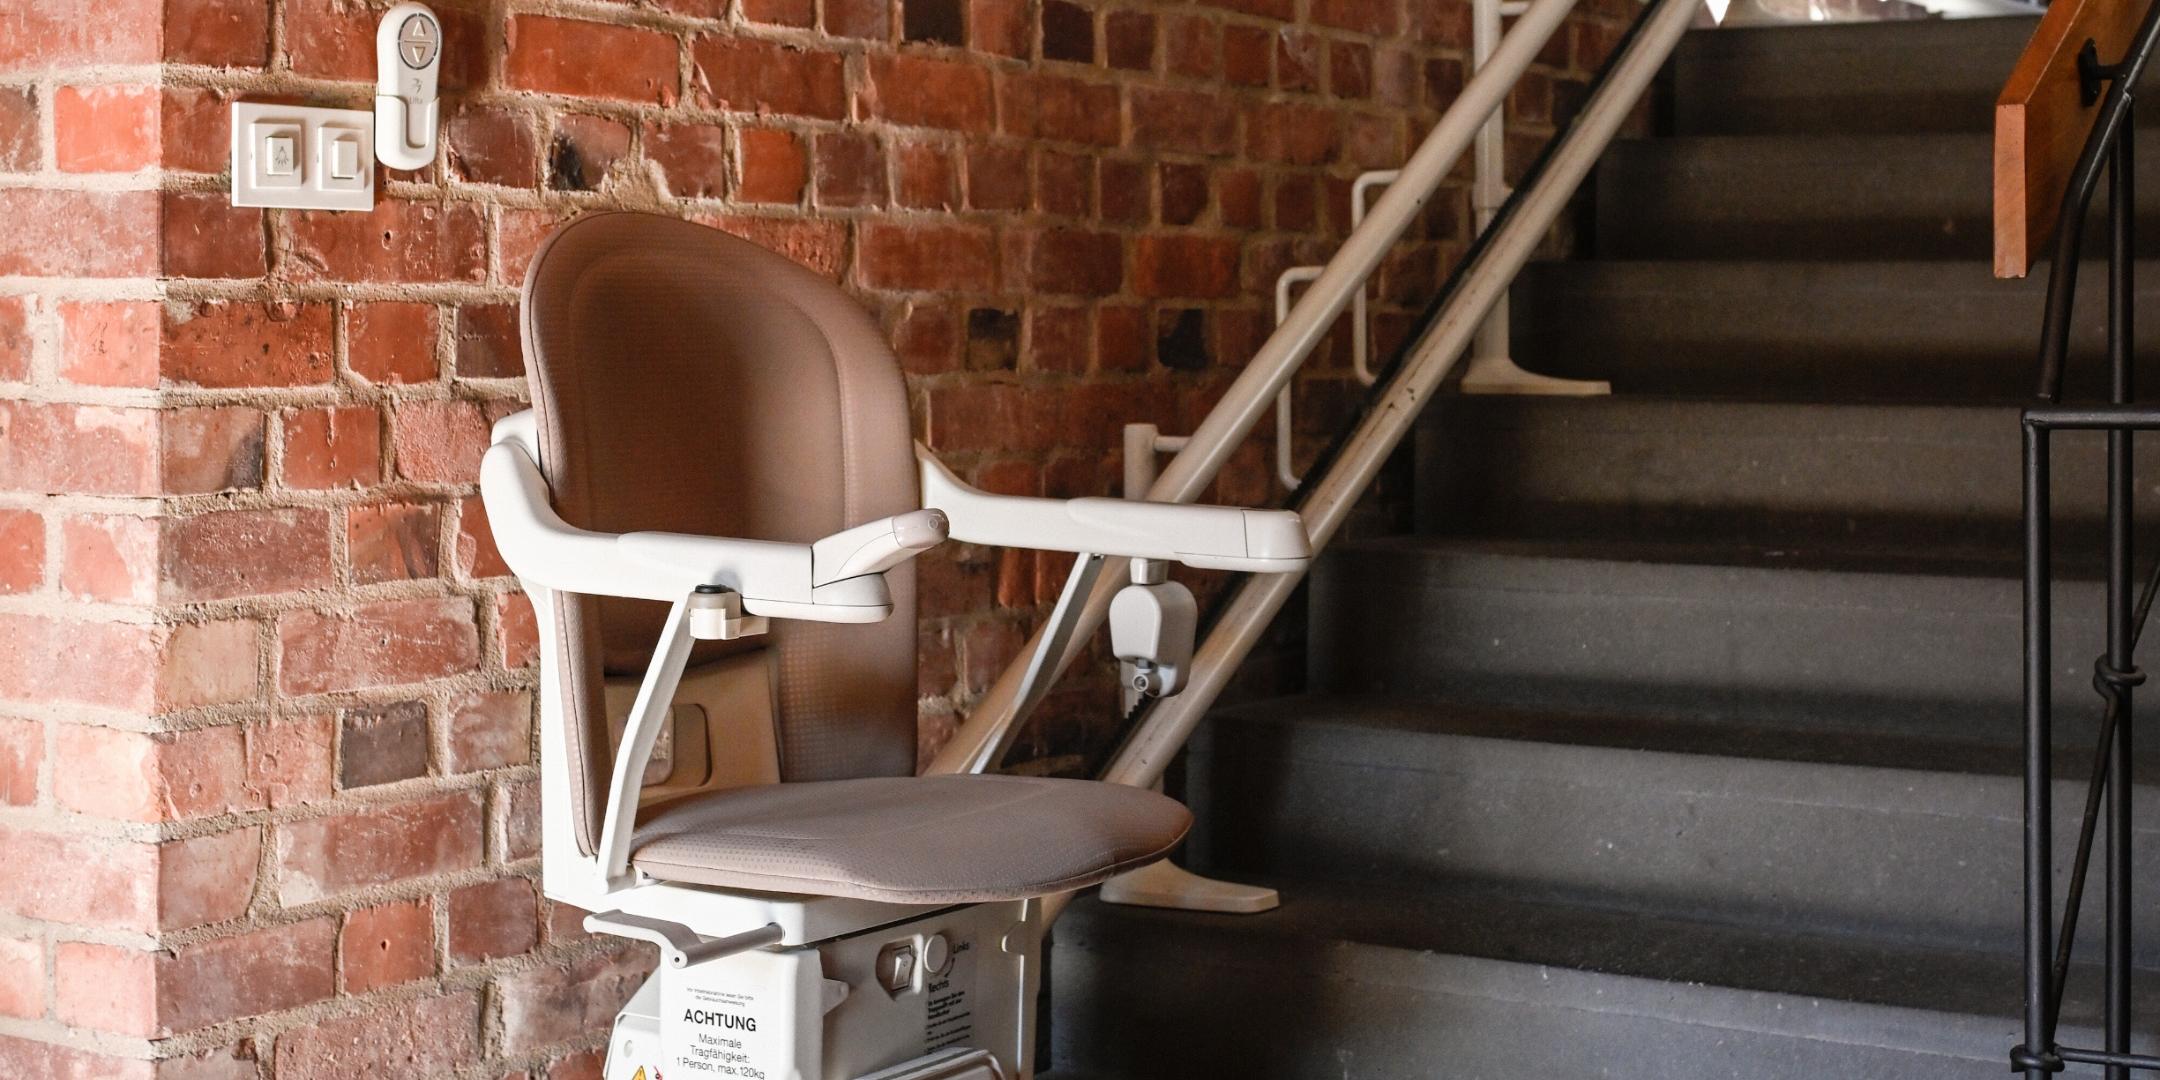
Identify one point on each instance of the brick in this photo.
(493, 146)
(45, 659)
(234, 1062)
(1064, 183)
(229, 553)
(934, 22)
(1073, 261)
(379, 844)
(1068, 32)
(1001, 27)
(557, 56)
(215, 448)
(490, 729)
(923, 338)
(219, 33)
(772, 167)
(338, 447)
(935, 258)
(19, 129)
(1184, 193)
(1376, 17)
(393, 542)
(521, 820)
(850, 170)
(205, 236)
(391, 341)
(926, 177)
(330, 39)
(1186, 121)
(997, 178)
(22, 551)
(1291, 134)
(22, 753)
(35, 1060)
(289, 760)
(870, 19)
(440, 441)
(1248, 55)
(1238, 198)
(1058, 339)
(387, 945)
(1298, 59)
(399, 242)
(382, 744)
(487, 342)
(61, 33)
(81, 881)
(195, 124)
(1123, 189)
(518, 234)
(1129, 40)
(494, 919)
(417, 1039)
(279, 967)
(109, 557)
(750, 75)
(207, 879)
(584, 150)
(553, 1004)
(212, 662)
(110, 343)
(584, 1065)
(231, 344)
(22, 978)
(92, 234)
(928, 91)
(775, 12)
(1060, 109)
(692, 158)
(519, 629)
(105, 128)
(1349, 70)
(1122, 341)
(130, 776)
(15, 339)
(383, 644)
(105, 987)
(993, 340)
(981, 416)
(1192, 46)
(477, 555)
(818, 245)
(50, 448)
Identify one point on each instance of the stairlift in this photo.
(713, 505)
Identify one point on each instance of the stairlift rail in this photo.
(978, 742)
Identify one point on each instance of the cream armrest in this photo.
(773, 579)
(1212, 537)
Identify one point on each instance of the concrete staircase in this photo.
(1681, 739)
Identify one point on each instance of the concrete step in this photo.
(1848, 331)
(1685, 629)
(1926, 76)
(1885, 476)
(1363, 982)
(1885, 826)
(1842, 196)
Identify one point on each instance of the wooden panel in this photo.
(2041, 123)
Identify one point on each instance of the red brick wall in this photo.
(267, 789)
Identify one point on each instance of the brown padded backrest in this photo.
(688, 381)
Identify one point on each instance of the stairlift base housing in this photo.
(731, 780)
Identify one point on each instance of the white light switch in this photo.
(302, 158)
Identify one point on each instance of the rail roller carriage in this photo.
(713, 504)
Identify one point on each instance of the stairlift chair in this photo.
(712, 504)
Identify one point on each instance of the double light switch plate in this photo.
(302, 158)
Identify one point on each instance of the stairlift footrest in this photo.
(954, 1064)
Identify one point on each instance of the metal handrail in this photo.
(2047, 954)
(981, 740)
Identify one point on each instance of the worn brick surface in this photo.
(267, 743)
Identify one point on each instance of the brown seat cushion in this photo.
(911, 840)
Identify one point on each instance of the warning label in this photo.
(717, 1033)
(947, 1020)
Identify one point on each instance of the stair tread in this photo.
(1486, 922)
(1948, 560)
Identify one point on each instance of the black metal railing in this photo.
(2115, 673)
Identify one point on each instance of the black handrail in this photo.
(2115, 674)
